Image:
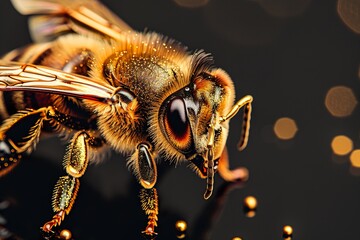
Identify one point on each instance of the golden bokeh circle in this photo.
(341, 145)
(355, 158)
(340, 101)
(285, 128)
(349, 12)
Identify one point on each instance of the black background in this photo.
(287, 60)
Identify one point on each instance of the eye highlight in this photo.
(177, 124)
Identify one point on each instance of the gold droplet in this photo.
(341, 145)
(65, 234)
(285, 128)
(181, 225)
(355, 158)
(340, 101)
(250, 202)
(250, 205)
(287, 232)
(236, 238)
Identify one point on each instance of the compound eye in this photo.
(177, 124)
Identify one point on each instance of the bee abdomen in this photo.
(33, 53)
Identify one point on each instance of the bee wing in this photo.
(59, 17)
(27, 77)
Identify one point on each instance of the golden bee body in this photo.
(89, 76)
(86, 56)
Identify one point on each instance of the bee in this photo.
(91, 78)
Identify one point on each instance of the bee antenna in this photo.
(210, 160)
(243, 102)
(210, 174)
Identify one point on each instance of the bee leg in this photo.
(238, 174)
(149, 203)
(146, 172)
(15, 143)
(66, 188)
(64, 195)
(145, 166)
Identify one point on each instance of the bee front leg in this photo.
(146, 172)
(75, 162)
(238, 174)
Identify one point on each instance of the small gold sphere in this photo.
(236, 238)
(287, 230)
(65, 234)
(250, 202)
(181, 225)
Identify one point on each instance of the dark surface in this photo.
(287, 63)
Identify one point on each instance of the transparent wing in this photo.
(27, 77)
(58, 17)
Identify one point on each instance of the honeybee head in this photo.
(191, 119)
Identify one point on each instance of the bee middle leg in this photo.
(75, 162)
(146, 172)
(15, 143)
(149, 203)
